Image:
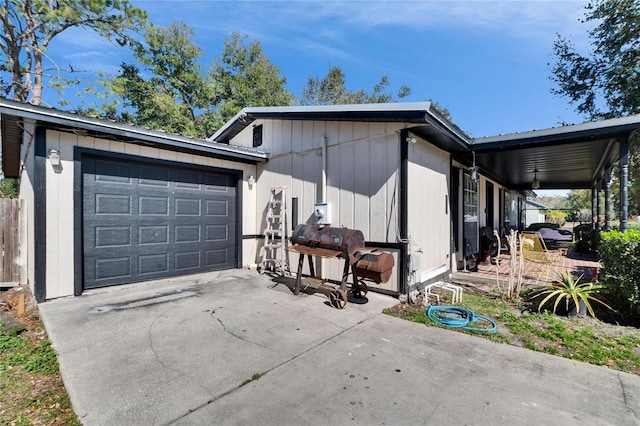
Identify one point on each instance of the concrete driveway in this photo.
(236, 348)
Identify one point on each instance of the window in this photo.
(257, 136)
(470, 208)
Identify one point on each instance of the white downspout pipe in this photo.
(324, 169)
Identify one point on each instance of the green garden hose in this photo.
(456, 317)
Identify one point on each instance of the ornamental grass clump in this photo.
(569, 289)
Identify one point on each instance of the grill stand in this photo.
(337, 296)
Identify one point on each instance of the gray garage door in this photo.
(145, 220)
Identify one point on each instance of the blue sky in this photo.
(486, 61)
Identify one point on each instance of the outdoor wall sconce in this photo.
(475, 173)
(54, 158)
(475, 170)
(536, 183)
(251, 181)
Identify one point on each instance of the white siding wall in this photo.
(60, 214)
(482, 197)
(429, 213)
(362, 177)
(534, 215)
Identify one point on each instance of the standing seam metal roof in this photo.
(566, 157)
(13, 112)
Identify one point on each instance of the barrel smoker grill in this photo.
(342, 243)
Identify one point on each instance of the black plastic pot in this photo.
(581, 310)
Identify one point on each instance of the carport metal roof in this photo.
(13, 114)
(566, 157)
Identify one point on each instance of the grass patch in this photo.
(31, 390)
(582, 339)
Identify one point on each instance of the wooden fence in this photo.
(9, 219)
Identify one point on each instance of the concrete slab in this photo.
(230, 348)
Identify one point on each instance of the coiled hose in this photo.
(462, 319)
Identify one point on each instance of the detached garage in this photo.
(106, 204)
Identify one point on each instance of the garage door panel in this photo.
(145, 220)
(217, 208)
(217, 257)
(187, 179)
(187, 206)
(113, 236)
(154, 176)
(114, 267)
(216, 233)
(153, 264)
(113, 172)
(217, 183)
(187, 260)
(187, 234)
(153, 234)
(153, 205)
(111, 204)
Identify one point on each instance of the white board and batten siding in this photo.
(363, 161)
(429, 216)
(60, 186)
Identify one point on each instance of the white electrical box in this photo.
(414, 262)
(322, 213)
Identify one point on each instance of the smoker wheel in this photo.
(338, 298)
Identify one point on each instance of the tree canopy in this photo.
(605, 81)
(243, 76)
(331, 90)
(29, 27)
(167, 88)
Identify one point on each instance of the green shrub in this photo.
(557, 217)
(620, 257)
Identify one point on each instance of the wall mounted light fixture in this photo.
(251, 181)
(475, 170)
(54, 158)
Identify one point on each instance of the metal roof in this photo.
(566, 157)
(536, 205)
(12, 114)
(424, 119)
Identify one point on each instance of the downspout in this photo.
(324, 169)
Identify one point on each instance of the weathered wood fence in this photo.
(9, 218)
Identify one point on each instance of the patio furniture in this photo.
(535, 250)
(488, 243)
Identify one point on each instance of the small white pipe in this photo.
(324, 169)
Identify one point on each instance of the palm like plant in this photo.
(569, 289)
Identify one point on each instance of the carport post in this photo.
(624, 183)
(598, 206)
(593, 208)
(607, 199)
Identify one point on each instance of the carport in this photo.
(577, 156)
